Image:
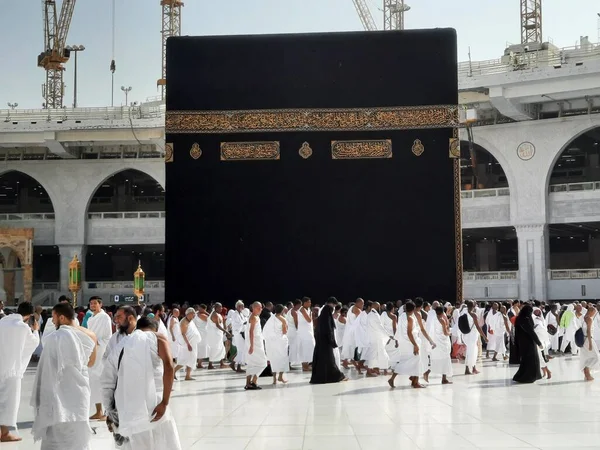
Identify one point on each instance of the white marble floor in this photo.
(486, 411)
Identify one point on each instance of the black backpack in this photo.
(463, 324)
(579, 338)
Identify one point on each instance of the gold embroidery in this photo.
(458, 229)
(168, 153)
(454, 147)
(244, 151)
(352, 119)
(195, 152)
(305, 151)
(361, 149)
(418, 148)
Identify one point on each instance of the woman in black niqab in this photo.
(526, 342)
(324, 367)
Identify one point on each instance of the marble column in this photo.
(2, 291)
(533, 261)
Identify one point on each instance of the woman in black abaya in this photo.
(526, 342)
(324, 367)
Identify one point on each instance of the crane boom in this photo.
(365, 15)
(54, 55)
(171, 26)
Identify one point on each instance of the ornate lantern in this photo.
(75, 278)
(139, 278)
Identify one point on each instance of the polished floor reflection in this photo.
(486, 411)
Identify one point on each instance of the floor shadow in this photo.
(372, 390)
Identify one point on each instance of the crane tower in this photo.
(531, 21)
(55, 55)
(171, 26)
(393, 14)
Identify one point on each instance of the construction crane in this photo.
(55, 55)
(531, 21)
(171, 26)
(364, 14)
(393, 14)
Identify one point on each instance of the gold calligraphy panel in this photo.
(248, 151)
(361, 149)
(168, 153)
(352, 119)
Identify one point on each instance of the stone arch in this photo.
(474, 178)
(51, 194)
(98, 183)
(579, 130)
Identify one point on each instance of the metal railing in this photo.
(123, 284)
(484, 193)
(45, 286)
(530, 60)
(576, 187)
(487, 276)
(574, 274)
(28, 216)
(128, 215)
(80, 114)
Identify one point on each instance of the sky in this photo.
(484, 26)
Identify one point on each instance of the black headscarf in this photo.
(326, 324)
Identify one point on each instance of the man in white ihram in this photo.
(50, 327)
(19, 340)
(61, 391)
(101, 325)
(136, 388)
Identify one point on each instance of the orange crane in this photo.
(171, 26)
(55, 54)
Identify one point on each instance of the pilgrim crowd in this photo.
(124, 360)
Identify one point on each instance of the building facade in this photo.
(91, 181)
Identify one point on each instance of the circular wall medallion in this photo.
(305, 151)
(526, 151)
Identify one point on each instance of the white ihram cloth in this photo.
(306, 337)
(361, 335)
(214, 337)
(470, 340)
(441, 363)
(238, 326)
(162, 330)
(407, 362)
(187, 357)
(554, 340)
(589, 358)
(203, 349)
(495, 332)
(541, 330)
(390, 346)
(340, 329)
(139, 387)
(276, 345)
(175, 336)
(61, 391)
(51, 328)
(349, 341)
(257, 361)
(292, 335)
(375, 355)
(596, 321)
(425, 347)
(17, 345)
(101, 325)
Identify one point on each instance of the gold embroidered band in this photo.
(361, 149)
(350, 119)
(248, 151)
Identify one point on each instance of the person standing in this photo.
(137, 383)
(470, 332)
(175, 333)
(325, 367)
(349, 344)
(541, 330)
(589, 358)
(188, 353)
(239, 321)
(527, 343)
(306, 334)
(19, 336)
(440, 354)
(376, 358)
(409, 359)
(276, 344)
(159, 313)
(61, 390)
(215, 337)
(99, 324)
(256, 358)
(569, 325)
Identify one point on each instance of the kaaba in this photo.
(313, 165)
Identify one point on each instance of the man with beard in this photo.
(136, 386)
(100, 324)
(61, 391)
